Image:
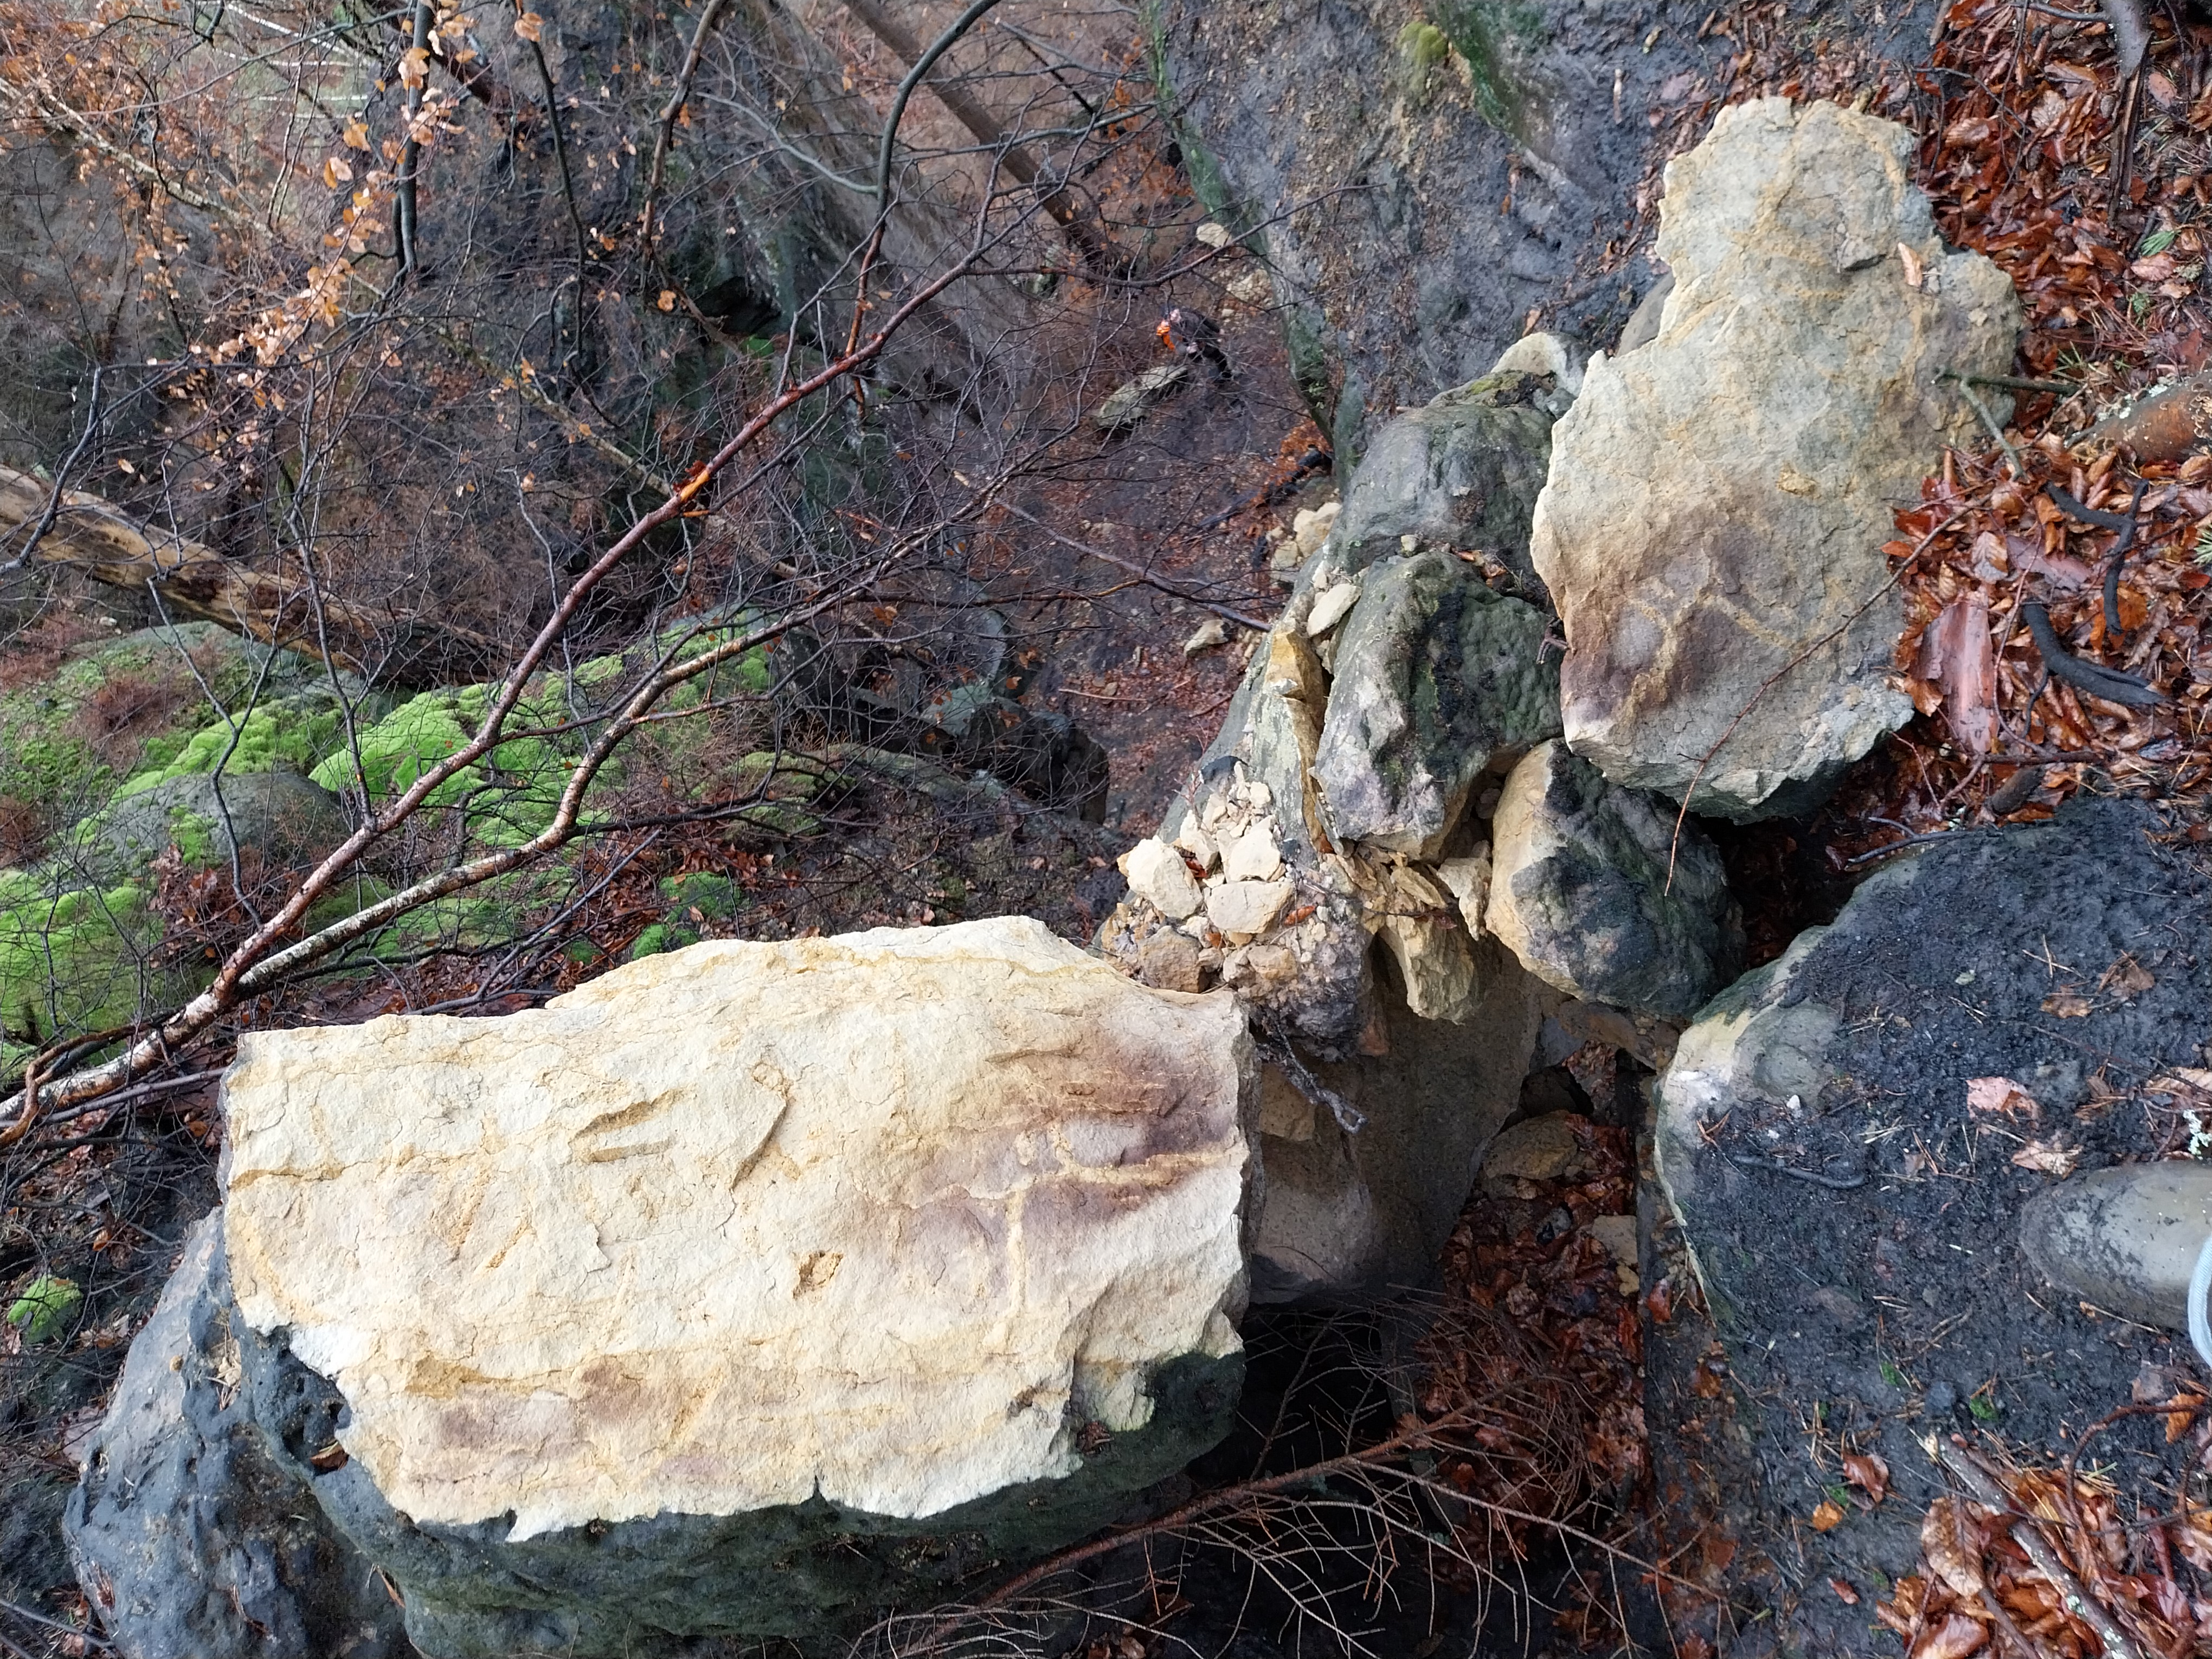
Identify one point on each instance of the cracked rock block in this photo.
(1595, 894)
(1463, 472)
(747, 1288)
(1434, 673)
(1346, 1216)
(191, 1538)
(1712, 527)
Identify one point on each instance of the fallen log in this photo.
(82, 532)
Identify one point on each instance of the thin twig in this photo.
(1965, 385)
(1228, 613)
(666, 137)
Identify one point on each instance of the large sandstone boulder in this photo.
(1434, 673)
(1713, 529)
(747, 1288)
(1592, 890)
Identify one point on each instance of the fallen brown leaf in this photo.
(2127, 978)
(1939, 1542)
(1957, 657)
(1845, 1593)
(1828, 1517)
(1868, 1474)
(2048, 1157)
(1954, 1638)
(2066, 1005)
(2000, 1097)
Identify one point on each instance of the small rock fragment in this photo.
(1331, 606)
(1157, 875)
(1467, 880)
(1253, 856)
(1542, 1149)
(1196, 842)
(1210, 635)
(1246, 907)
(1258, 969)
(1311, 527)
(1169, 961)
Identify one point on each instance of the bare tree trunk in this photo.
(1096, 248)
(88, 535)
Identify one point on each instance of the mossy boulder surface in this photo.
(1436, 673)
(72, 958)
(67, 737)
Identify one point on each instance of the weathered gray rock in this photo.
(1718, 500)
(282, 817)
(190, 1538)
(748, 1288)
(1346, 1215)
(1590, 888)
(1129, 402)
(1852, 1058)
(1434, 674)
(2125, 1238)
(1463, 472)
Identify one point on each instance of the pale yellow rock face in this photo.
(887, 1217)
(1718, 499)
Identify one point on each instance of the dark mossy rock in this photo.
(189, 1537)
(1604, 896)
(283, 818)
(1435, 674)
(1463, 472)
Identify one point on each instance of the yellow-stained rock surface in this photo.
(890, 1217)
(1713, 526)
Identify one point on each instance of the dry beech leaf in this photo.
(1845, 1593)
(2048, 1157)
(1828, 1517)
(2000, 1097)
(1958, 659)
(2127, 978)
(530, 27)
(335, 172)
(1868, 1474)
(1939, 1542)
(2066, 1005)
(1954, 1638)
(1911, 261)
(2182, 1079)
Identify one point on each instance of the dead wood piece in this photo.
(2094, 679)
(1986, 1492)
(2166, 426)
(86, 533)
(1090, 239)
